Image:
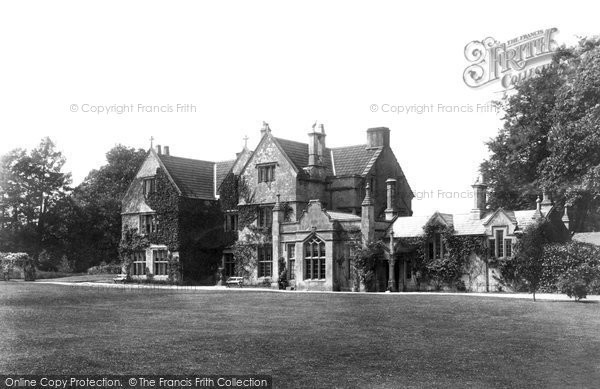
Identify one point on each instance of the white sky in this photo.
(244, 62)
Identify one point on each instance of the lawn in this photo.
(302, 339)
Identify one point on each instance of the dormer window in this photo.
(149, 186)
(499, 245)
(266, 173)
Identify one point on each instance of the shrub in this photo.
(573, 287)
(111, 268)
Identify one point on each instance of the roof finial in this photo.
(151, 141)
(367, 200)
(245, 141)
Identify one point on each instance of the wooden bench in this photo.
(239, 281)
(120, 278)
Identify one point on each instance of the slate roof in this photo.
(587, 237)
(463, 223)
(193, 177)
(223, 168)
(354, 160)
(339, 161)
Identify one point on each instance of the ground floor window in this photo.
(161, 261)
(291, 250)
(228, 265)
(314, 259)
(138, 266)
(265, 261)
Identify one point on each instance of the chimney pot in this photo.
(167, 151)
(158, 149)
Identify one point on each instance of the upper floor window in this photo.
(266, 173)
(148, 224)
(149, 186)
(231, 222)
(265, 217)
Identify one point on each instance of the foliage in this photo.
(9, 261)
(103, 268)
(550, 139)
(454, 262)
(575, 282)
(529, 251)
(31, 184)
(131, 242)
(245, 250)
(562, 259)
(363, 260)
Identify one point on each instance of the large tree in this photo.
(31, 184)
(92, 228)
(551, 138)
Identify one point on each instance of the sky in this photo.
(231, 65)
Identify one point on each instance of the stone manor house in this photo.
(299, 206)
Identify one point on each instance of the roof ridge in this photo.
(186, 158)
(345, 147)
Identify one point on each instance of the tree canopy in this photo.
(551, 138)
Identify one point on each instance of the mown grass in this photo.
(302, 339)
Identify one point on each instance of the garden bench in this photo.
(239, 281)
(120, 278)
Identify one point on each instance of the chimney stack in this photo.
(390, 212)
(378, 137)
(546, 199)
(158, 149)
(479, 198)
(316, 145)
(167, 152)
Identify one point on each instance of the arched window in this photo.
(314, 259)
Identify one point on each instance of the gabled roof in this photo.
(339, 161)
(223, 169)
(194, 178)
(354, 160)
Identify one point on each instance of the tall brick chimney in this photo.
(316, 145)
(378, 137)
(158, 149)
(167, 151)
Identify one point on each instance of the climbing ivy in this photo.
(453, 264)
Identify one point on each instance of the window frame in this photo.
(161, 263)
(315, 266)
(266, 172)
(291, 254)
(265, 261)
(265, 217)
(149, 185)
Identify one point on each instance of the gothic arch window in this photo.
(314, 259)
